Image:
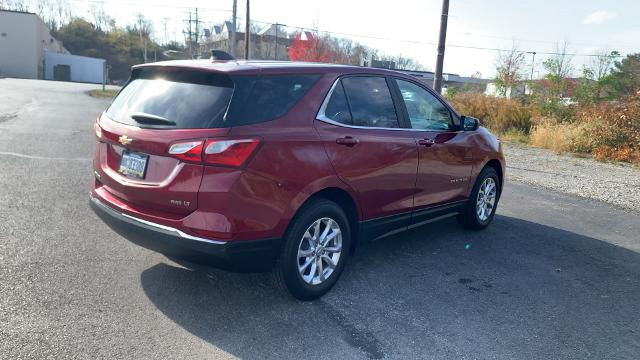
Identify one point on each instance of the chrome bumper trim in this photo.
(151, 225)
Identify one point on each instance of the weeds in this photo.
(607, 130)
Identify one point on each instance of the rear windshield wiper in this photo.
(144, 118)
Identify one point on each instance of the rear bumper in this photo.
(239, 256)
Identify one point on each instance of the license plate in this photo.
(133, 164)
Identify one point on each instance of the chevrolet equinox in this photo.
(256, 166)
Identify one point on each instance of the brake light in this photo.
(188, 151)
(229, 152)
(215, 152)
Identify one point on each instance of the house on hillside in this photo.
(29, 51)
(263, 42)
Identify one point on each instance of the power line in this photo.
(103, 2)
(306, 28)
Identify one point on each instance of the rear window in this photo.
(190, 100)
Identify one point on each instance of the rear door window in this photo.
(338, 109)
(371, 102)
(266, 97)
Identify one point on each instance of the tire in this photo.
(300, 250)
(472, 217)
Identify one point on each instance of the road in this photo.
(554, 277)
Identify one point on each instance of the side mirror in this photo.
(469, 123)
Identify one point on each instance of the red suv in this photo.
(253, 166)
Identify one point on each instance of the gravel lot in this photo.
(614, 183)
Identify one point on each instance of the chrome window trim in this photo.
(151, 225)
(320, 116)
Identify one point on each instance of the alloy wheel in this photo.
(319, 251)
(486, 199)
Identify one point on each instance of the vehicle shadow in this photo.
(515, 290)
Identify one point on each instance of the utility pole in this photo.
(189, 35)
(232, 40)
(197, 34)
(247, 34)
(437, 80)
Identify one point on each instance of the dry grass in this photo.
(499, 115)
(515, 136)
(608, 130)
(557, 137)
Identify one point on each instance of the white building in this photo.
(24, 37)
(28, 51)
(67, 67)
(517, 91)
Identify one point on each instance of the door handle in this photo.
(347, 141)
(426, 142)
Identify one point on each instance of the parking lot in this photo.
(554, 277)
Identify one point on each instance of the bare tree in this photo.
(595, 77)
(144, 28)
(509, 69)
(559, 68)
(101, 20)
(603, 63)
(14, 5)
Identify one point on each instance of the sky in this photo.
(410, 27)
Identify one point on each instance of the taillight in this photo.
(187, 151)
(215, 152)
(229, 152)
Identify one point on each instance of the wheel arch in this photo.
(497, 166)
(346, 202)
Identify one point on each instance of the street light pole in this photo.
(533, 62)
(437, 80)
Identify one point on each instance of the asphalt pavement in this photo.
(554, 277)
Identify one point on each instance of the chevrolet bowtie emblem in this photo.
(124, 140)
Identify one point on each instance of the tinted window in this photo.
(426, 112)
(194, 99)
(337, 108)
(189, 105)
(263, 98)
(371, 103)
